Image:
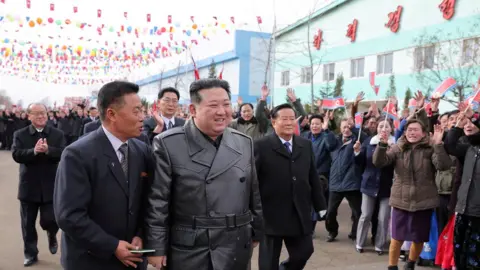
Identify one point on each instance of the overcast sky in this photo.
(245, 11)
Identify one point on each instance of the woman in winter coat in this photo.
(467, 222)
(414, 193)
(375, 187)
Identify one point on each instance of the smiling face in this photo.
(168, 104)
(213, 113)
(247, 112)
(316, 126)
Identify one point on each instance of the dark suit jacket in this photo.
(93, 204)
(150, 124)
(289, 185)
(92, 126)
(37, 172)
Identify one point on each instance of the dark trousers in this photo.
(300, 249)
(442, 212)
(8, 139)
(28, 215)
(2, 139)
(354, 199)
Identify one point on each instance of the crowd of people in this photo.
(130, 185)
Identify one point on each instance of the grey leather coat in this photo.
(196, 184)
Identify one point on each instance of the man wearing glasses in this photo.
(37, 148)
(164, 119)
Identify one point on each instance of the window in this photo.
(471, 50)
(424, 57)
(285, 78)
(329, 72)
(385, 63)
(356, 68)
(306, 75)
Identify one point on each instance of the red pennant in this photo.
(259, 19)
(232, 19)
(169, 18)
(125, 14)
(29, 3)
(149, 17)
(192, 18)
(75, 9)
(2, 1)
(52, 7)
(99, 13)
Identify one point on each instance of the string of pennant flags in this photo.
(54, 46)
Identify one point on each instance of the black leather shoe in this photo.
(52, 243)
(380, 253)
(359, 250)
(30, 261)
(352, 237)
(331, 237)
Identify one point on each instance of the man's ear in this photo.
(192, 109)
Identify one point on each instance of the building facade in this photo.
(420, 43)
(243, 63)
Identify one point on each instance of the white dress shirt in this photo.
(167, 121)
(116, 143)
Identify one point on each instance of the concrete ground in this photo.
(337, 255)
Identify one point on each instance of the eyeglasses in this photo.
(167, 100)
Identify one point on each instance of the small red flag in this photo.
(2, 1)
(232, 19)
(259, 19)
(149, 17)
(192, 18)
(29, 3)
(169, 18)
(75, 9)
(52, 7)
(99, 13)
(125, 14)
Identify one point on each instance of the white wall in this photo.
(230, 73)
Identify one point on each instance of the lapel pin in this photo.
(113, 164)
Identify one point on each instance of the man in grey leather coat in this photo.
(203, 210)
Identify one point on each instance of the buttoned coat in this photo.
(193, 178)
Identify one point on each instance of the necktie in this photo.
(170, 125)
(287, 145)
(124, 161)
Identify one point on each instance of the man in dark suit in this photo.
(92, 116)
(167, 103)
(92, 126)
(100, 184)
(289, 187)
(37, 148)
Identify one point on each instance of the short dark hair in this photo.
(112, 94)
(447, 114)
(165, 90)
(92, 108)
(203, 84)
(453, 112)
(279, 108)
(316, 116)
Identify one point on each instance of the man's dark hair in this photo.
(112, 93)
(453, 112)
(447, 114)
(279, 108)
(165, 90)
(245, 104)
(92, 108)
(203, 84)
(316, 116)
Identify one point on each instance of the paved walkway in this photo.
(337, 255)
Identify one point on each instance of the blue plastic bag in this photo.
(430, 248)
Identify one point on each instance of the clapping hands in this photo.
(41, 146)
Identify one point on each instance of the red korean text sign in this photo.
(447, 7)
(317, 40)
(394, 19)
(352, 30)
